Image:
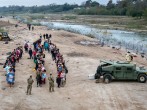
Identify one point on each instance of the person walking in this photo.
(51, 83)
(26, 47)
(10, 77)
(38, 78)
(29, 87)
(40, 36)
(44, 36)
(30, 53)
(44, 76)
(47, 36)
(32, 28)
(58, 80)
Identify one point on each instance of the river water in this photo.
(131, 41)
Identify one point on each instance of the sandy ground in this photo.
(80, 93)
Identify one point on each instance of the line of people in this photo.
(38, 56)
(10, 63)
(60, 65)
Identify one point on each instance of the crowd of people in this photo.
(10, 63)
(38, 54)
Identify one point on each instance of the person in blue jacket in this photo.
(10, 78)
(46, 45)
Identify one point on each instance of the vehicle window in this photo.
(118, 68)
(107, 64)
(129, 69)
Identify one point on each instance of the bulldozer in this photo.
(4, 36)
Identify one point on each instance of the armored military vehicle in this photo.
(118, 70)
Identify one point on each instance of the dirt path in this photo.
(80, 93)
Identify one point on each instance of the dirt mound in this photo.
(77, 54)
(87, 43)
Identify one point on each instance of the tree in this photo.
(145, 14)
(110, 5)
(94, 3)
(88, 3)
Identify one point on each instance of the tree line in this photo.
(38, 9)
(134, 8)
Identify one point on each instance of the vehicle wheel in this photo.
(97, 76)
(142, 78)
(107, 78)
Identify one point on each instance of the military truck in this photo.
(4, 36)
(118, 70)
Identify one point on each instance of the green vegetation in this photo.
(145, 13)
(33, 17)
(134, 8)
(37, 9)
(91, 36)
(68, 17)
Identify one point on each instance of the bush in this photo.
(68, 17)
(145, 14)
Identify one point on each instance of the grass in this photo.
(135, 26)
(90, 35)
(68, 17)
(33, 17)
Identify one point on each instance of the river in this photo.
(132, 41)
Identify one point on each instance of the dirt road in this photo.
(80, 93)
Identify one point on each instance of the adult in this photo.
(58, 81)
(29, 87)
(47, 36)
(32, 28)
(129, 57)
(26, 47)
(40, 36)
(46, 45)
(38, 77)
(44, 76)
(51, 83)
(30, 53)
(10, 78)
(44, 36)
(29, 26)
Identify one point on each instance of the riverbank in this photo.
(124, 23)
(79, 93)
